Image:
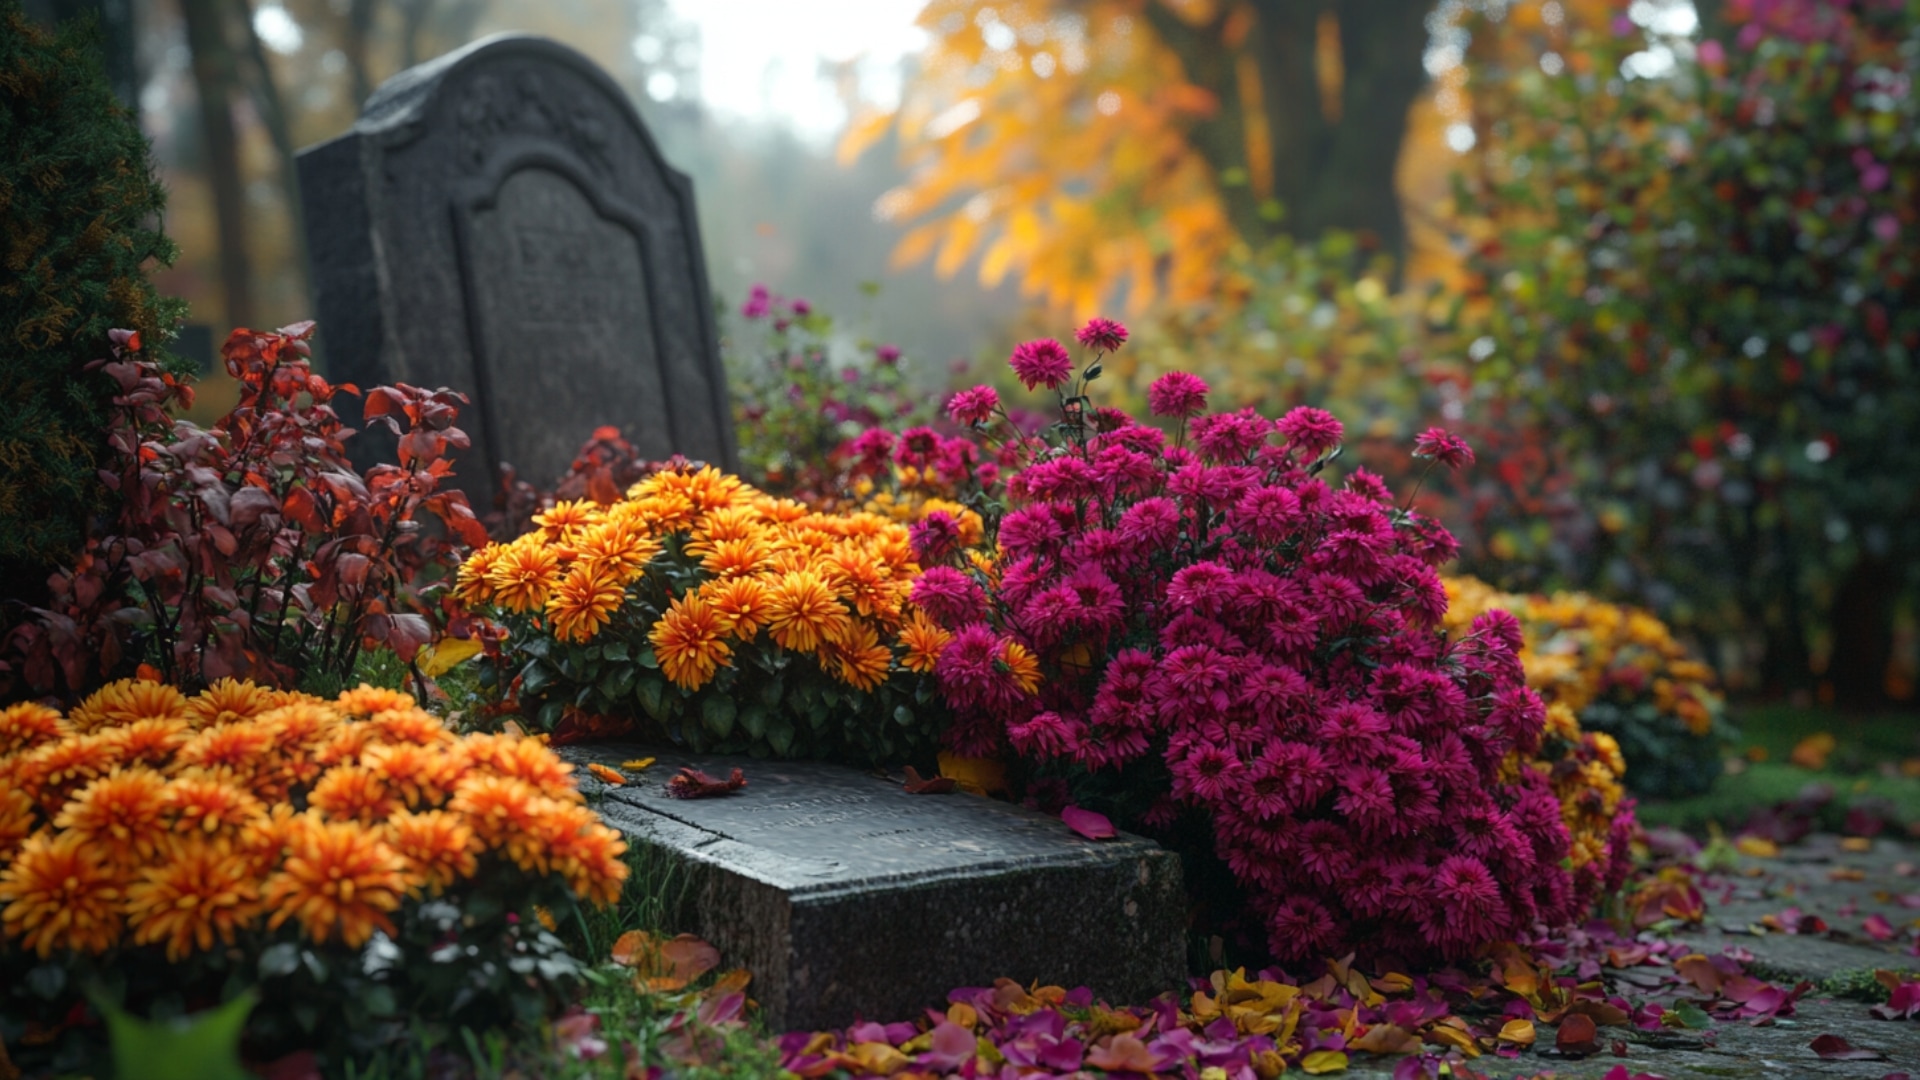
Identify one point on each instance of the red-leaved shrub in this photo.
(252, 549)
(1223, 637)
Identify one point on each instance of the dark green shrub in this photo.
(79, 213)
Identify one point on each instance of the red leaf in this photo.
(1834, 1048)
(1087, 823)
(1878, 928)
(1577, 1035)
(691, 783)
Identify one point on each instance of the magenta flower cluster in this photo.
(1217, 604)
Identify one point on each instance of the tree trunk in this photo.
(273, 111)
(353, 44)
(1862, 621)
(1330, 168)
(214, 77)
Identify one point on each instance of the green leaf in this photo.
(717, 715)
(771, 692)
(646, 659)
(780, 736)
(903, 716)
(47, 980)
(615, 650)
(1693, 1016)
(535, 678)
(754, 719)
(617, 681)
(652, 696)
(205, 1046)
(278, 960)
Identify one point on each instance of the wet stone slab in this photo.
(847, 897)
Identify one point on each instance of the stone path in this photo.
(1821, 879)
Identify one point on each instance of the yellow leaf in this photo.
(877, 1058)
(607, 773)
(1812, 752)
(1517, 1032)
(979, 776)
(440, 657)
(1324, 1061)
(862, 132)
(1757, 846)
(637, 764)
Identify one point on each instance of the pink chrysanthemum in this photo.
(1041, 363)
(1102, 335)
(1177, 394)
(974, 406)
(1444, 447)
(1313, 431)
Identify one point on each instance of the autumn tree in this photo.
(1084, 143)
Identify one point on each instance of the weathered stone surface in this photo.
(500, 222)
(846, 896)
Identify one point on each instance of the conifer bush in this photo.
(79, 206)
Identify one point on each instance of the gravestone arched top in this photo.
(499, 220)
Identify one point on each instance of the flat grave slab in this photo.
(847, 897)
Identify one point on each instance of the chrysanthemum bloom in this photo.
(974, 406)
(1444, 447)
(53, 772)
(567, 518)
(1103, 335)
(1041, 363)
(741, 601)
(583, 602)
(238, 751)
(470, 585)
(859, 660)
(923, 640)
(124, 702)
(1177, 394)
(28, 725)
(689, 641)
(353, 793)
(340, 880)
(616, 549)
(17, 821)
(503, 812)
(534, 762)
(1313, 431)
(1020, 666)
(803, 613)
(438, 847)
(860, 579)
(365, 700)
(228, 700)
(706, 488)
(149, 742)
(524, 574)
(737, 557)
(202, 891)
(60, 892)
(411, 724)
(204, 803)
(124, 813)
(583, 850)
(419, 775)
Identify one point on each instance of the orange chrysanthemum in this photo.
(584, 601)
(503, 812)
(1021, 666)
(59, 893)
(803, 613)
(470, 585)
(859, 660)
(201, 802)
(52, 773)
(655, 515)
(535, 763)
(688, 641)
(150, 742)
(437, 847)
(706, 488)
(340, 880)
(238, 751)
(580, 848)
(861, 579)
(736, 558)
(524, 574)
(26, 726)
(421, 775)
(781, 511)
(353, 793)
(203, 891)
(568, 518)
(924, 640)
(124, 702)
(123, 813)
(616, 550)
(227, 701)
(410, 724)
(365, 700)
(728, 523)
(17, 821)
(741, 601)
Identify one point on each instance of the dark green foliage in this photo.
(1664, 759)
(79, 213)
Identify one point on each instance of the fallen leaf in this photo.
(1835, 1048)
(1577, 1035)
(917, 785)
(1846, 873)
(633, 947)
(607, 773)
(689, 956)
(1517, 1032)
(1877, 927)
(1087, 823)
(440, 657)
(1758, 847)
(976, 776)
(691, 783)
(1812, 752)
(731, 982)
(637, 764)
(1323, 1061)
(1856, 844)
(1387, 1039)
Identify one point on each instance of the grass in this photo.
(1854, 770)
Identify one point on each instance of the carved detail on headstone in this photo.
(526, 103)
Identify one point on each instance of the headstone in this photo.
(847, 897)
(499, 221)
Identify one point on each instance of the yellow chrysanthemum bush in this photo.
(1622, 678)
(701, 610)
(354, 860)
